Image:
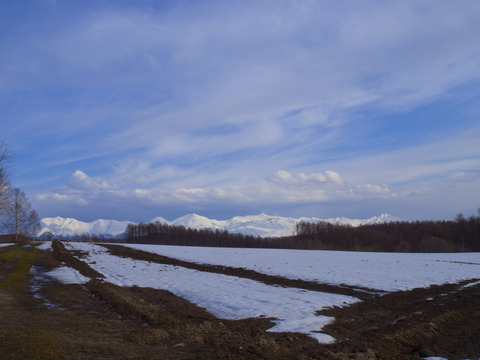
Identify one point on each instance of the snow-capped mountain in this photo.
(275, 226)
(258, 225)
(68, 227)
(195, 221)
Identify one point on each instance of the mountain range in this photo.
(258, 225)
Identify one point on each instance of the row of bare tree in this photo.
(459, 235)
(164, 234)
(17, 217)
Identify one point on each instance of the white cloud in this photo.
(281, 187)
(283, 178)
(63, 197)
(442, 197)
(81, 181)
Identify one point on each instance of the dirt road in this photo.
(103, 321)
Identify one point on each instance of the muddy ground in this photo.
(99, 320)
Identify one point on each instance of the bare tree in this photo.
(34, 224)
(5, 169)
(17, 215)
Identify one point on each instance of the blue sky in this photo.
(131, 110)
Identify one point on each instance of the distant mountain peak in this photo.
(68, 227)
(160, 220)
(258, 225)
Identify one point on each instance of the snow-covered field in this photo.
(224, 296)
(236, 298)
(381, 271)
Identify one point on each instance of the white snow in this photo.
(70, 227)
(67, 275)
(472, 284)
(6, 244)
(381, 271)
(195, 221)
(46, 245)
(63, 274)
(224, 296)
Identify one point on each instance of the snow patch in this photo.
(63, 274)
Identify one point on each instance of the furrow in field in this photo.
(357, 292)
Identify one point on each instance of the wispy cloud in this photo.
(243, 103)
(280, 188)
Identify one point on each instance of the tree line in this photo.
(164, 234)
(18, 220)
(459, 235)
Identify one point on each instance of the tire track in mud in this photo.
(357, 292)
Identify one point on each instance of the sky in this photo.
(131, 110)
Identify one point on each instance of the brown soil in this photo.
(437, 321)
(62, 254)
(103, 321)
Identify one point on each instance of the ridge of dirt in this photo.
(61, 253)
(358, 292)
